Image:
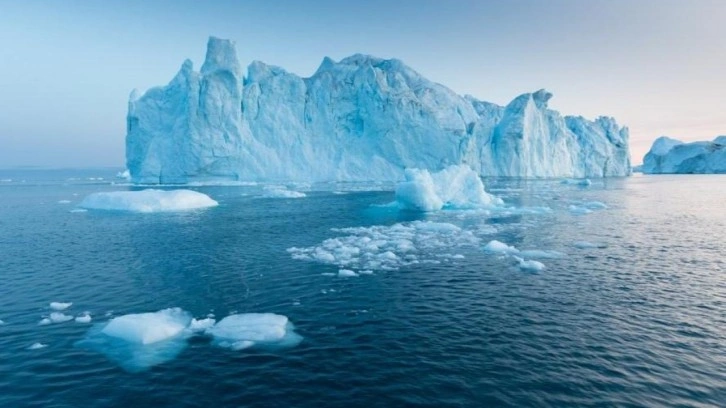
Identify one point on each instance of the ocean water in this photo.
(638, 318)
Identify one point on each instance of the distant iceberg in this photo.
(669, 155)
(148, 201)
(359, 119)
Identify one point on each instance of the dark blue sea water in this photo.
(637, 320)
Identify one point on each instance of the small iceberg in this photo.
(148, 201)
(241, 331)
(137, 342)
(55, 317)
(346, 273)
(84, 318)
(498, 247)
(530, 265)
(455, 187)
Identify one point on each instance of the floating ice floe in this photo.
(84, 318)
(37, 346)
(60, 305)
(500, 248)
(346, 273)
(241, 331)
(388, 247)
(281, 192)
(137, 342)
(148, 201)
(201, 325)
(79, 210)
(529, 265)
(55, 317)
(456, 187)
(64, 201)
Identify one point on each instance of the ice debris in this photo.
(241, 331)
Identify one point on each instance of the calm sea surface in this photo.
(630, 312)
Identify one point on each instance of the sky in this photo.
(68, 67)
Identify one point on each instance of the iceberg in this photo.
(359, 119)
(453, 187)
(672, 156)
(58, 306)
(241, 331)
(148, 201)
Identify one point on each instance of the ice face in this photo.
(673, 156)
(147, 201)
(137, 342)
(456, 187)
(359, 119)
(240, 331)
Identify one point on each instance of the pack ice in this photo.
(359, 119)
(669, 155)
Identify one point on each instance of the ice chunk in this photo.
(60, 305)
(84, 318)
(126, 175)
(387, 247)
(136, 342)
(55, 317)
(37, 346)
(588, 245)
(79, 210)
(530, 265)
(500, 247)
(281, 192)
(64, 201)
(147, 201)
(148, 328)
(346, 273)
(201, 324)
(240, 331)
(457, 187)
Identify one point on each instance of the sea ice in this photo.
(55, 317)
(456, 187)
(387, 247)
(241, 331)
(147, 201)
(37, 346)
(84, 318)
(60, 305)
(500, 247)
(136, 342)
(346, 273)
(530, 265)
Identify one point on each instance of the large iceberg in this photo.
(359, 119)
(669, 155)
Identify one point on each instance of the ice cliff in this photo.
(359, 119)
(669, 155)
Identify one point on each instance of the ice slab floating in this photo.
(241, 331)
(148, 201)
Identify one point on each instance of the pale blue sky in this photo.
(67, 67)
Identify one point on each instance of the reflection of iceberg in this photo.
(456, 187)
(147, 201)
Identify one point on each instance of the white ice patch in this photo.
(281, 192)
(530, 265)
(241, 331)
(346, 273)
(201, 325)
(136, 342)
(387, 247)
(64, 201)
(60, 305)
(37, 346)
(456, 187)
(79, 210)
(84, 318)
(148, 201)
(126, 175)
(587, 245)
(55, 317)
(498, 247)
